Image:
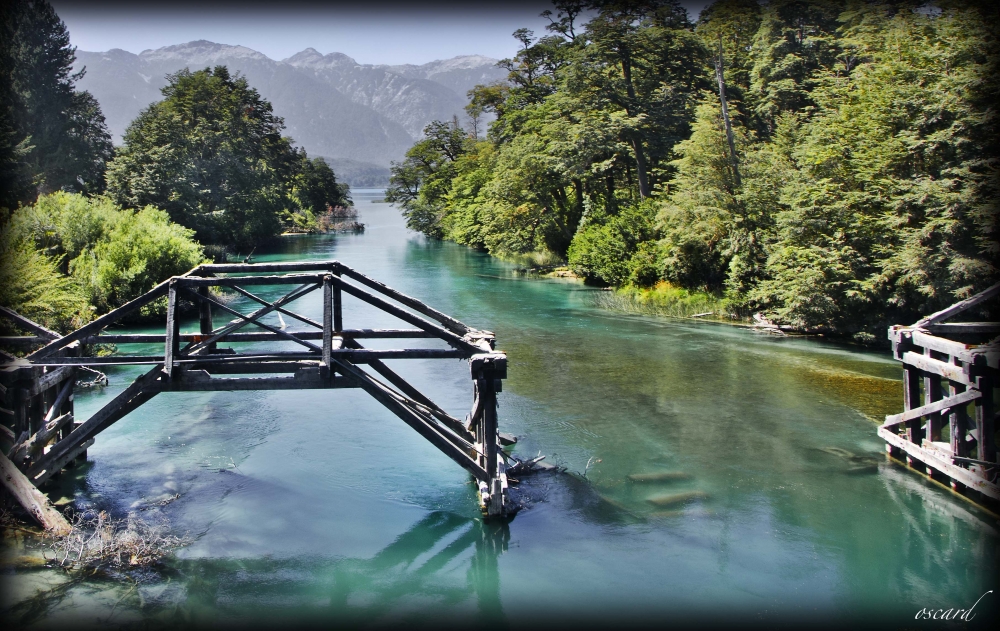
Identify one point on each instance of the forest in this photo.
(830, 166)
(86, 226)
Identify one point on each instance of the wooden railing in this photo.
(948, 423)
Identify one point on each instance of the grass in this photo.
(665, 300)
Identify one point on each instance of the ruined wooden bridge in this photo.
(36, 392)
(951, 370)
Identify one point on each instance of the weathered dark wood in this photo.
(932, 394)
(933, 459)
(22, 341)
(126, 401)
(259, 336)
(406, 316)
(959, 423)
(356, 356)
(205, 324)
(959, 307)
(253, 317)
(447, 321)
(487, 429)
(51, 378)
(428, 430)
(29, 325)
(109, 318)
(338, 310)
(986, 448)
(39, 439)
(946, 370)
(57, 465)
(230, 281)
(327, 321)
(937, 406)
(297, 266)
(32, 499)
(911, 400)
(964, 328)
(193, 382)
(291, 314)
(404, 387)
(171, 345)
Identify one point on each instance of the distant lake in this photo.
(320, 506)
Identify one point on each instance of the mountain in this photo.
(332, 105)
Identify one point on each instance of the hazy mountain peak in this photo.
(201, 52)
(311, 58)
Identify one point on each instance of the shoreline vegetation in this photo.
(815, 167)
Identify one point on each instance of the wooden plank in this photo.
(108, 318)
(39, 439)
(205, 324)
(986, 448)
(295, 294)
(229, 281)
(356, 356)
(964, 328)
(959, 307)
(446, 320)
(51, 378)
(937, 406)
(958, 420)
(32, 499)
(948, 347)
(226, 384)
(29, 325)
(64, 393)
(406, 316)
(428, 430)
(404, 387)
(291, 314)
(127, 400)
(58, 464)
(258, 336)
(327, 321)
(338, 310)
(932, 394)
(171, 344)
(911, 400)
(240, 268)
(928, 457)
(948, 371)
(256, 322)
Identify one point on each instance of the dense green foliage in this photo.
(51, 136)
(67, 252)
(211, 154)
(862, 190)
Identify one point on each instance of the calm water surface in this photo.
(319, 506)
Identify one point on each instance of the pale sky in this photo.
(372, 32)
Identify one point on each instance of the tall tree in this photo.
(49, 132)
(211, 154)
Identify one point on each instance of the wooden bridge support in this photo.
(326, 356)
(947, 369)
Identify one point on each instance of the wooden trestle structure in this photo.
(949, 368)
(37, 390)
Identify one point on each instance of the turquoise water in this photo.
(321, 506)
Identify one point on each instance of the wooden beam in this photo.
(327, 321)
(355, 356)
(964, 328)
(406, 316)
(128, 400)
(258, 336)
(103, 321)
(959, 307)
(937, 406)
(449, 322)
(29, 325)
(295, 294)
(50, 378)
(171, 344)
(291, 314)
(39, 439)
(229, 281)
(239, 268)
(930, 458)
(251, 319)
(948, 371)
(948, 347)
(32, 499)
(188, 382)
(57, 465)
(433, 434)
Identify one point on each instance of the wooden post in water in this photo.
(205, 317)
(171, 347)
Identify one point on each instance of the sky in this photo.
(372, 31)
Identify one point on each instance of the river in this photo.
(319, 506)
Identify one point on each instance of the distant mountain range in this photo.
(359, 114)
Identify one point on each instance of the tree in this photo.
(211, 154)
(51, 137)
